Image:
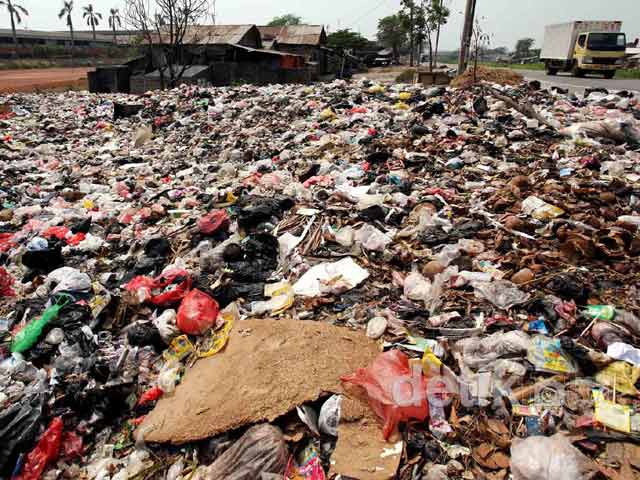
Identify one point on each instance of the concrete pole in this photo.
(466, 35)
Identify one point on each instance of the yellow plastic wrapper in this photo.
(620, 376)
(376, 89)
(430, 363)
(281, 294)
(101, 299)
(540, 210)
(88, 204)
(402, 106)
(180, 348)
(404, 96)
(220, 337)
(611, 414)
(327, 114)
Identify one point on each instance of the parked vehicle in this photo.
(584, 47)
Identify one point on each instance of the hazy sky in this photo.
(506, 20)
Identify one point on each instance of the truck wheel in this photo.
(610, 75)
(552, 71)
(578, 72)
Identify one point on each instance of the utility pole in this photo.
(466, 35)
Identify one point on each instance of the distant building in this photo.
(231, 53)
(310, 41)
(31, 38)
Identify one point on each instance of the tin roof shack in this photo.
(307, 40)
(261, 67)
(117, 78)
(110, 79)
(193, 75)
(236, 55)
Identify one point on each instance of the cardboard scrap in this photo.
(268, 368)
(361, 452)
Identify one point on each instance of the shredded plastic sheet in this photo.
(334, 277)
(611, 414)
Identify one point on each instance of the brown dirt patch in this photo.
(60, 79)
(361, 451)
(268, 368)
(491, 75)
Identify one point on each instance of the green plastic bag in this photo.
(601, 312)
(29, 335)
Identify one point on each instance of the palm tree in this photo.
(93, 18)
(114, 21)
(14, 12)
(66, 10)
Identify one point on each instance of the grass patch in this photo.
(633, 74)
(516, 66)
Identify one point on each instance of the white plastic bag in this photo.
(548, 458)
(331, 277)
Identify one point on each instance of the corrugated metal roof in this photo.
(217, 34)
(214, 35)
(295, 34)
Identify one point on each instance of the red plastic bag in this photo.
(150, 395)
(152, 289)
(197, 313)
(213, 222)
(58, 232)
(71, 446)
(6, 280)
(76, 239)
(45, 452)
(395, 392)
(6, 242)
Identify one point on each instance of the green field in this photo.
(623, 74)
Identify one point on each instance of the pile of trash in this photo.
(344, 280)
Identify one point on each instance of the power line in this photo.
(369, 12)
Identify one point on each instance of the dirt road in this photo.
(43, 79)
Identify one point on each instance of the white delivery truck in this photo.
(584, 47)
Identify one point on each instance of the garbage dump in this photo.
(343, 280)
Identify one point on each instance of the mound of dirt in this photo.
(268, 368)
(502, 76)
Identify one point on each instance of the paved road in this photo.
(579, 84)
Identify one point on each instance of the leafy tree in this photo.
(392, 33)
(15, 12)
(114, 22)
(523, 47)
(285, 20)
(413, 18)
(346, 39)
(67, 9)
(166, 28)
(424, 21)
(438, 16)
(93, 18)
